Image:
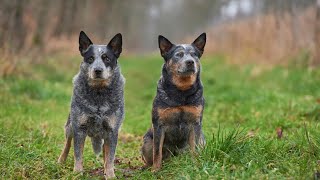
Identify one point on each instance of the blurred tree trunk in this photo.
(65, 18)
(41, 23)
(278, 9)
(316, 59)
(14, 31)
(295, 43)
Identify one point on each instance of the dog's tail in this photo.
(96, 145)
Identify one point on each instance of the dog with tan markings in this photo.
(97, 104)
(178, 106)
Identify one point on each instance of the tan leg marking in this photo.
(78, 164)
(65, 151)
(157, 160)
(108, 166)
(192, 142)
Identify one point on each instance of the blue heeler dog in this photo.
(97, 104)
(178, 105)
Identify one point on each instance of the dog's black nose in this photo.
(98, 71)
(190, 62)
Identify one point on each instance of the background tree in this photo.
(316, 59)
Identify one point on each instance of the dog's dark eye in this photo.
(193, 54)
(90, 60)
(180, 54)
(105, 58)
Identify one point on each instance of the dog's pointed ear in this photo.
(84, 42)
(164, 45)
(115, 44)
(200, 42)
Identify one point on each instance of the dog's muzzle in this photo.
(98, 73)
(188, 68)
(190, 63)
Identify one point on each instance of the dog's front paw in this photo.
(78, 168)
(109, 173)
(155, 168)
(61, 160)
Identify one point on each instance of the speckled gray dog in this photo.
(97, 105)
(178, 105)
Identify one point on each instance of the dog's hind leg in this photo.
(199, 136)
(202, 140)
(67, 145)
(65, 151)
(147, 148)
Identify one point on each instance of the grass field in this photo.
(259, 122)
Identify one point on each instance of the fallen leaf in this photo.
(96, 172)
(251, 133)
(279, 132)
(117, 161)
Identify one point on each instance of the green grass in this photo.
(245, 105)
